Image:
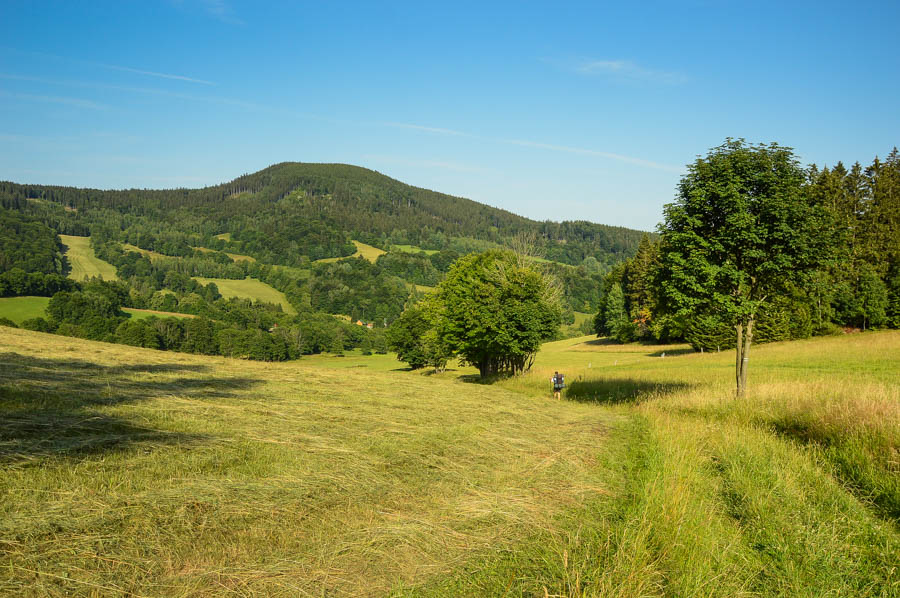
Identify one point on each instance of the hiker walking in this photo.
(559, 382)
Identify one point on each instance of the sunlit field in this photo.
(235, 256)
(19, 309)
(362, 250)
(249, 288)
(82, 260)
(135, 472)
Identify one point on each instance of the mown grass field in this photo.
(82, 260)
(235, 256)
(363, 250)
(19, 309)
(153, 255)
(249, 288)
(134, 472)
(413, 249)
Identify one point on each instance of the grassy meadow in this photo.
(235, 256)
(249, 288)
(413, 249)
(367, 251)
(19, 309)
(83, 261)
(131, 472)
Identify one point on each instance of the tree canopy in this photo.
(495, 311)
(740, 231)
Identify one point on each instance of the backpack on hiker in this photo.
(559, 381)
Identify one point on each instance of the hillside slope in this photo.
(311, 209)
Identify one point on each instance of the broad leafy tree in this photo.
(495, 311)
(740, 230)
(405, 336)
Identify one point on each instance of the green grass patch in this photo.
(299, 273)
(581, 318)
(413, 249)
(354, 359)
(362, 250)
(153, 255)
(249, 288)
(235, 256)
(82, 260)
(19, 309)
(143, 314)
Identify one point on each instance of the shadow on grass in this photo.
(603, 341)
(485, 380)
(48, 406)
(619, 390)
(865, 467)
(672, 352)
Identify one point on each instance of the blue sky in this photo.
(556, 111)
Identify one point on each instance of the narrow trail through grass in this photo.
(133, 472)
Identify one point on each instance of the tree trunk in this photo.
(745, 358)
(742, 363)
(739, 354)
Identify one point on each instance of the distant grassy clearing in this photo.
(366, 251)
(143, 314)
(581, 318)
(83, 261)
(153, 255)
(300, 273)
(249, 288)
(421, 287)
(413, 249)
(235, 256)
(19, 309)
(224, 236)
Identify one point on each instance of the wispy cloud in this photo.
(155, 74)
(67, 101)
(218, 9)
(437, 130)
(115, 67)
(416, 163)
(546, 146)
(221, 10)
(626, 69)
(596, 153)
(139, 90)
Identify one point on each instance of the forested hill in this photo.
(292, 209)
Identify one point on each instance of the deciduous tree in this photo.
(495, 311)
(739, 231)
